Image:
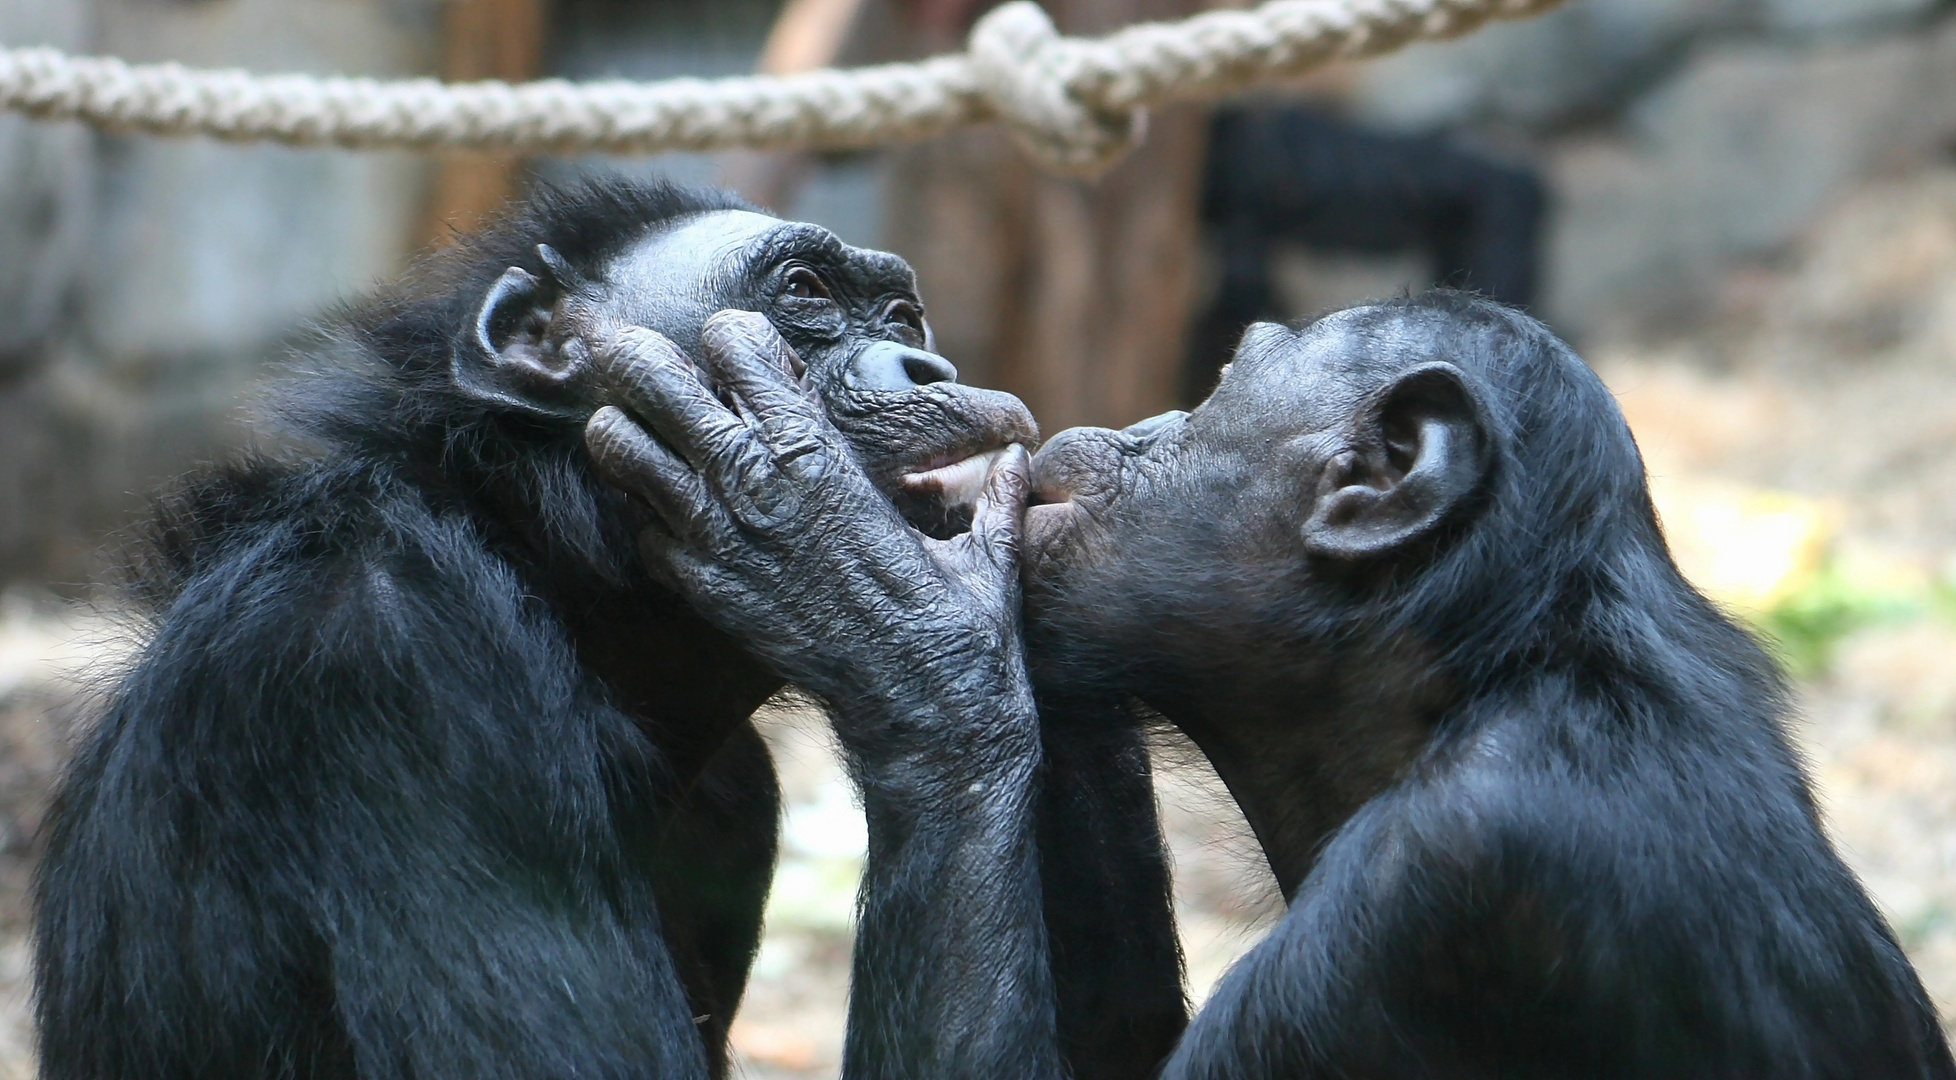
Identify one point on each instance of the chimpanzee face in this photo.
(851, 314)
(1339, 444)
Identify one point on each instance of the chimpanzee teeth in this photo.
(958, 483)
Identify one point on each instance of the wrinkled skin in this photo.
(1526, 791)
(753, 490)
(853, 319)
(935, 609)
(768, 526)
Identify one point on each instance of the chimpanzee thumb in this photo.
(1001, 508)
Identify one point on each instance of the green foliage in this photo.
(1932, 920)
(1805, 625)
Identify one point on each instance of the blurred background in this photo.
(1742, 212)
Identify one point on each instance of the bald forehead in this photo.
(1282, 377)
(1350, 332)
(1376, 343)
(686, 249)
(718, 249)
(1393, 328)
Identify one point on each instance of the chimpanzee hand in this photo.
(773, 532)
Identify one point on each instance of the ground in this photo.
(1802, 446)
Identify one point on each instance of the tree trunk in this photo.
(485, 39)
(1075, 295)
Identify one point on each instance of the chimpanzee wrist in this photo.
(964, 716)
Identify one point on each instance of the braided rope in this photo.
(1076, 104)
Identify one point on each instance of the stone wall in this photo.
(146, 283)
(1684, 138)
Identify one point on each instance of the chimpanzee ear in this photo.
(517, 362)
(1420, 450)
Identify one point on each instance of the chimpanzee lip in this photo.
(1050, 482)
(1046, 528)
(958, 481)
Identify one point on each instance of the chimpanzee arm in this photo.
(1305, 996)
(951, 976)
(974, 858)
(353, 812)
(713, 866)
(776, 535)
(1110, 920)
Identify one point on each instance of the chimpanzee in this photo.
(1279, 172)
(418, 773)
(1526, 790)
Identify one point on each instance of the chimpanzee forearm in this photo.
(1017, 918)
(777, 538)
(1109, 911)
(951, 976)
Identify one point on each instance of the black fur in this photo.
(415, 755)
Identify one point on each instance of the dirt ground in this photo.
(1803, 449)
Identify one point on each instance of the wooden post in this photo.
(485, 39)
(807, 34)
(1075, 295)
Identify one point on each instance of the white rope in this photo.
(1075, 103)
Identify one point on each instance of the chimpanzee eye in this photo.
(806, 284)
(905, 313)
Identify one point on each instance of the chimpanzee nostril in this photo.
(923, 367)
(886, 365)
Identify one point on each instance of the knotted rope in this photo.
(1077, 104)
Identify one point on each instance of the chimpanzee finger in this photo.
(653, 541)
(670, 562)
(747, 355)
(1000, 512)
(623, 454)
(660, 386)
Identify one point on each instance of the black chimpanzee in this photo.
(1527, 791)
(418, 774)
(1400, 578)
